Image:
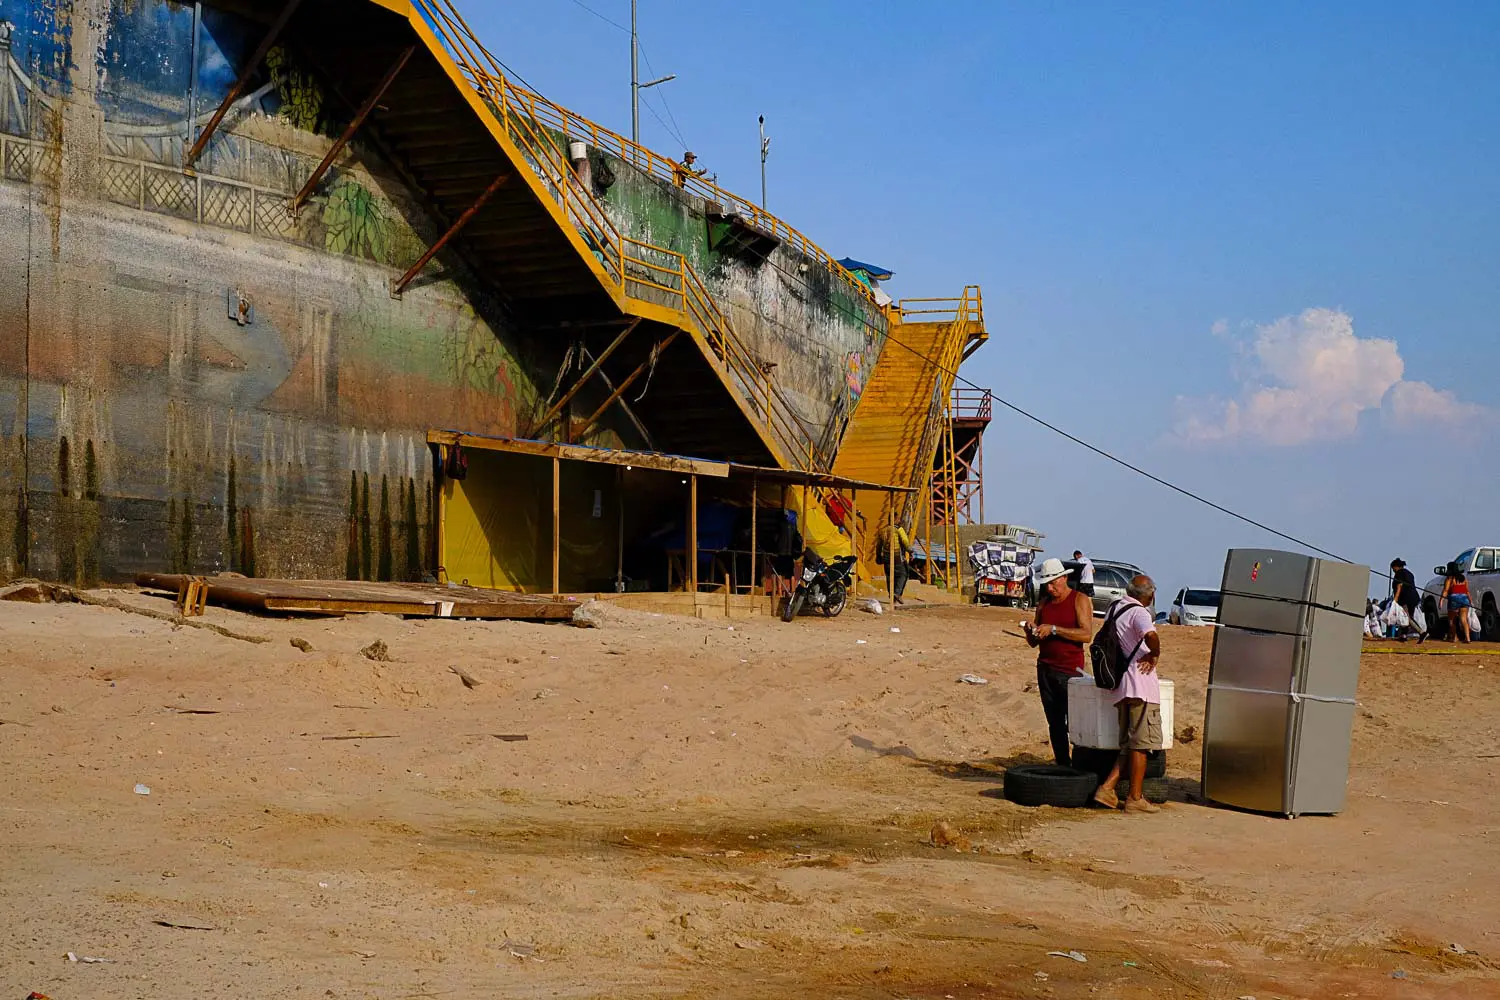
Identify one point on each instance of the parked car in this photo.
(1481, 565)
(1110, 580)
(1195, 607)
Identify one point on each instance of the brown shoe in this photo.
(1141, 806)
(1107, 798)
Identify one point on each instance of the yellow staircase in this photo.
(903, 418)
(645, 281)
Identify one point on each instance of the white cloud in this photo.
(1412, 405)
(1309, 378)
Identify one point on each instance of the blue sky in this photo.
(1254, 248)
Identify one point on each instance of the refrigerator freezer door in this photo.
(1320, 757)
(1266, 590)
(1342, 586)
(1245, 749)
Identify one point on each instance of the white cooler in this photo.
(1093, 720)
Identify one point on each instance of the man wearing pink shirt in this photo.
(1138, 698)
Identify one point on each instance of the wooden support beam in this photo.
(240, 84)
(891, 544)
(692, 534)
(556, 526)
(439, 485)
(629, 381)
(592, 370)
(755, 581)
(854, 534)
(354, 124)
(400, 285)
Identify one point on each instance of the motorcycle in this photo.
(824, 585)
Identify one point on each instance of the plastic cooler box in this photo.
(1093, 720)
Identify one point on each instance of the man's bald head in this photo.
(1142, 588)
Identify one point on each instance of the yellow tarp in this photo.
(819, 533)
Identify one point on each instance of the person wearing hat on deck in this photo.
(682, 171)
(1062, 627)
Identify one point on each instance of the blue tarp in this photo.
(878, 273)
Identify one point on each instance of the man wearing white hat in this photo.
(1062, 628)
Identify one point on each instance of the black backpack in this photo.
(1108, 658)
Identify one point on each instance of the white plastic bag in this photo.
(1475, 626)
(1419, 620)
(1396, 615)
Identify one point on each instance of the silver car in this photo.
(1110, 580)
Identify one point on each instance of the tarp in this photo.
(874, 271)
(819, 533)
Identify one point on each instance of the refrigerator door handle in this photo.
(1296, 697)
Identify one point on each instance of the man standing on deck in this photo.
(1138, 698)
(1085, 573)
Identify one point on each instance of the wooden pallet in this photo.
(342, 597)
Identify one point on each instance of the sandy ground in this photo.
(695, 812)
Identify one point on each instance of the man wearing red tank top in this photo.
(1063, 626)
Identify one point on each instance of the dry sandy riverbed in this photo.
(696, 812)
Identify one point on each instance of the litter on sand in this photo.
(183, 927)
(973, 679)
(1459, 949)
(872, 606)
(894, 629)
(87, 959)
(142, 789)
(859, 642)
(1076, 956)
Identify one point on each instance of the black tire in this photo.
(1489, 621)
(792, 606)
(1049, 785)
(838, 598)
(1152, 790)
(1101, 762)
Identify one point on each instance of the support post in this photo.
(556, 526)
(620, 389)
(854, 534)
(620, 539)
(693, 537)
(441, 533)
(463, 220)
(567, 397)
(354, 125)
(239, 85)
(927, 563)
(890, 554)
(756, 583)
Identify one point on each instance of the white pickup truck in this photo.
(1481, 565)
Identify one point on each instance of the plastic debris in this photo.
(1399, 974)
(1459, 949)
(520, 949)
(973, 679)
(873, 606)
(1130, 965)
(894, 629)
(87, 959)
(859, 642)
(1076, 956)
(142, 789)
(1043, 976)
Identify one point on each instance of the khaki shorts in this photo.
(1140, 725)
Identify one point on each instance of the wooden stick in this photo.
(556, 527)
(693, 535)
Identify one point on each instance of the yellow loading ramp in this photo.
(486, 529)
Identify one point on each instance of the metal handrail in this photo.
(974, 403)
(524, 116)
(574, 125)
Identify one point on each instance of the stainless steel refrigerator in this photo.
(1281, 685)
